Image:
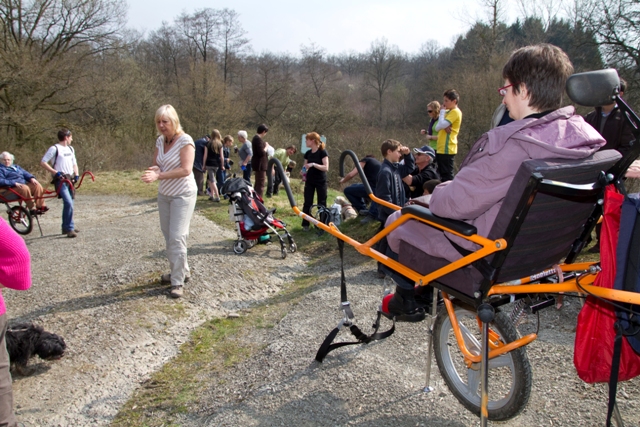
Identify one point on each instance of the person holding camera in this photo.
(63, 165)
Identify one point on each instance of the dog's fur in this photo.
(347, 212)
(25, 340)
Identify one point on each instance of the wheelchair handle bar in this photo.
(273, 162)
(356, 162)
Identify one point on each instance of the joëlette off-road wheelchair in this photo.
(20, 219)
(545, 221)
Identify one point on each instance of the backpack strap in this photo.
(615, 368)
(328, 345)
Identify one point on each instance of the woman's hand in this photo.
(311, 165)
(151, 174)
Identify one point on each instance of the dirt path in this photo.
(101, 292)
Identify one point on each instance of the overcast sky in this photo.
(336, 25)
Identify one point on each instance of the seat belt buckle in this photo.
(345, 306)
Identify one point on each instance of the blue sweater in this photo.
(12, 175)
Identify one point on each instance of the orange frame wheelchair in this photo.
(545, 221)
(20, 218)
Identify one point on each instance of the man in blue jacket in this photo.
(21, 182)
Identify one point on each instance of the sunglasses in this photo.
(429, 111)
(503, 90)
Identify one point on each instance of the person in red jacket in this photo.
(15, 273)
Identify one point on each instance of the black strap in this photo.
(615, 368)
(328, 345)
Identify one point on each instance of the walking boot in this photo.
(403, 306)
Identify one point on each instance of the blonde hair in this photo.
(435, 106)
(170, 113)
(313, 136)
(227, 138)
(215, 144)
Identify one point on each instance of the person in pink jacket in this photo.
(534, 82)
(15, 273)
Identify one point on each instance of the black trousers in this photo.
(310, 188)
(445, 166)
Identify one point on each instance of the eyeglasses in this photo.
(503, 90)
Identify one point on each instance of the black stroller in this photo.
(254, 223)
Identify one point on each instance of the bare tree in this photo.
(201, 30)
(383, 67)
(269, 93)
(314, 68)
(43, 48)
(616, 26)
(231, 39)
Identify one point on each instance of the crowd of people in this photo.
(530, 123)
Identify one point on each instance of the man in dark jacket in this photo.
(425, 171)
(609, 121)
(198, 166)
(356, 193)
(22, 182)
(259, 160)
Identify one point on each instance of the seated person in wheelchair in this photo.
(534, 84)
(22, 182)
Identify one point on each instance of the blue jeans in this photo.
(358, 197)
(246, 174)
(67, 208)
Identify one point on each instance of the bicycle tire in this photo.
(20, 220)
(506, 398)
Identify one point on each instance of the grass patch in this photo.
(212, 348)
(119, 182)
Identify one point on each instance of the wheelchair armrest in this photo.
(452, 224)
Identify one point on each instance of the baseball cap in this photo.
(426, 150)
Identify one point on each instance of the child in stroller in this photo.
(252, 218)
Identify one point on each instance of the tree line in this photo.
(73, 63)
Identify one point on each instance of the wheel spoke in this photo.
(472, 343)
(473, 382)
(500, 361)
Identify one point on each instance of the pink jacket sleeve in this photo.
(15, 261)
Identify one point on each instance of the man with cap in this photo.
(245, 152)
(425, 171)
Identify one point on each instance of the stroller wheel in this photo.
(283, 252)
(239, 247)
(292, 247)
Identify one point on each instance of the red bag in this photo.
(593, 349)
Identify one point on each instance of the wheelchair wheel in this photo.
(20, 220)
(509, 374)
(239, 247)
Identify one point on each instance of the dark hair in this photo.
(292, 147)
(431, 185)
(63, 133)
(544, 69)
(452, 95)
(262, 128)
(389, 145)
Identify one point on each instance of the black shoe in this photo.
(363, 212)
(403, 306)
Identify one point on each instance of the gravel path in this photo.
(101, 292)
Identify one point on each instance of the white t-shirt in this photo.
(64, 162)
(171, 160)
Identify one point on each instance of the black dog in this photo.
(25, 340)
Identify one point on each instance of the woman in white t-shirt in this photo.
(177, 192)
